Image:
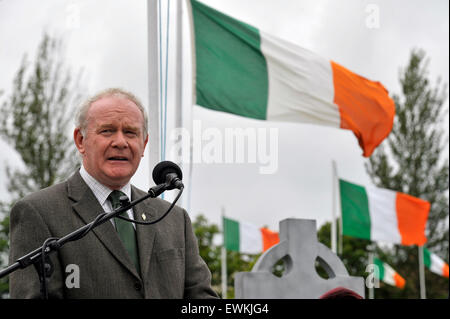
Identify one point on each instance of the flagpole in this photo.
(341, 237)
(224, 259)
(339, 213)
(179, 68)
(371, 249)
(193, 100)
(333, 215)
(422, 273)
(337, 208)
(179, 79)
(153, 85)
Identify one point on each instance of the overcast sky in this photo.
(108, 39)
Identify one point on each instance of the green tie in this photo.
(125, 230)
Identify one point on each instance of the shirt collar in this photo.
(101, 191)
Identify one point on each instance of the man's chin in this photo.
(117, 180)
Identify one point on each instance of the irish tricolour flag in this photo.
(435, 263)
(387, 274)
(380, 214)
(247, 238)
(242, 70)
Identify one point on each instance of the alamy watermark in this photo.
(373, 17)
(73, 276)
(73, 15)
(372, 279)
(232, 146)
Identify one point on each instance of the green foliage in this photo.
(210, 253)
(35, 121)
(413, 160)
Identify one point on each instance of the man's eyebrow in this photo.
(131, 127)
(134, 128)
(101, 126)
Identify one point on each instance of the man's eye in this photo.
(106, 131)
(132, 133)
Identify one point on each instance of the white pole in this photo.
(371, 257)
(422, 273)
(179, 67)
(339, 211)
(192, 102)
(333, 214)
(153, 85)
(341, 238)
(224, 259)
(224, 272)
(179, 80)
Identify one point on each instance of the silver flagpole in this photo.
(192, 103)
(179, 68)
(179, 81)
(154, 146)
(339, 213)
(422, 273)
(224, 259)
(371, 287)
(333, 215)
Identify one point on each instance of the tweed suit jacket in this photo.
(171, 266)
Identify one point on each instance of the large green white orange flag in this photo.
(435, 263)
(242, 70)
(247, 238)
(380, 214)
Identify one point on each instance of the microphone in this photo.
(168, 173)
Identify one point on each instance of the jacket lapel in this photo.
(88, 208)
(145, 233)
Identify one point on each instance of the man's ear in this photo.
(79, 140)
(145, 144)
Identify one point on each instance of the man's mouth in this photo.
(117, 158)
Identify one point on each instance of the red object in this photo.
(340, 293)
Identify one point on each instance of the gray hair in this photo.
(81, 118)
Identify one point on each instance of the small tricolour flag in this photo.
(247, 238)
(380, 214)
(435, 263)
(387, 274)
(242, 70)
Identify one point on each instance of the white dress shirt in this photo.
(102, 192)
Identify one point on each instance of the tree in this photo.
(210, 253)
(413, 160)
(35, 119)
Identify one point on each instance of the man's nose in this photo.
(120, 140)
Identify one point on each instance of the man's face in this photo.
(114, 141)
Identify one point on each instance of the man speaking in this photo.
(117, 259)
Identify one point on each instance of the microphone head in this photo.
(164, 168)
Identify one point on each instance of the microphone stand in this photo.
(39, 258)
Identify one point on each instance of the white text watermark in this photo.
(231, 146)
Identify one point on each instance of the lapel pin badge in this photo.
(144, 217)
